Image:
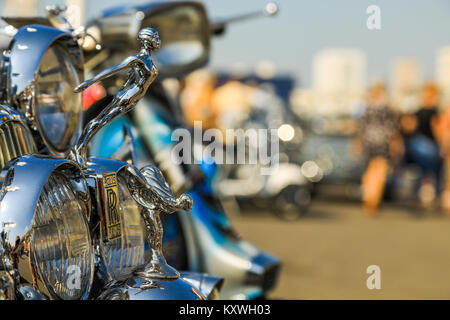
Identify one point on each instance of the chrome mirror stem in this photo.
(56, 16)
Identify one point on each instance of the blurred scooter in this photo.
(203, 241)
(287, 188)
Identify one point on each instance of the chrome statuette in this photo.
(142, 72)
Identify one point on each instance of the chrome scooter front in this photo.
(203, 241)
(75, 228)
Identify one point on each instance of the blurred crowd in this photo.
(391, 141)
(225, 104)
(388, 142)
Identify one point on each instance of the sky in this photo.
(409, 28)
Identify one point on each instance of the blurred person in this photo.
(408, 127)
(443, 136)
(196, 97)
(380, 144)
(422, 148)
(232, 104)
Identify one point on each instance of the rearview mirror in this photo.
(184, 37)
(183, 28)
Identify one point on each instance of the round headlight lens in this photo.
(58, 108)
(61, 244)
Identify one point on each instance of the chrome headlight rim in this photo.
(30, 45)
(18, 203)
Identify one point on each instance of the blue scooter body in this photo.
(204, 240)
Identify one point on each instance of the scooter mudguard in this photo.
(110, 139)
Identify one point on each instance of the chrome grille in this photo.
(124, 254)
(15, 140)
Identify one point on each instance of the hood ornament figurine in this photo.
(147, 186)
(141, 75)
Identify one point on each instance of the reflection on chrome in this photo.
(151, 190)
(179, 53)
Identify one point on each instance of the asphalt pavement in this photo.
(326, 253)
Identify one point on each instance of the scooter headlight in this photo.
(60, 240)
(46, 65)
(58, 108)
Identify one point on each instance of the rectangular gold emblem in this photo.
(110, 204)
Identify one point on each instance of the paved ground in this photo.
(326, 253)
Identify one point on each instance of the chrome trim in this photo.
(7, 286)
(98, 166)
(21, 182)
(139, 288)
(27, 49)
(209, 286)
(27, 292)
(57, 16)
(15, 137)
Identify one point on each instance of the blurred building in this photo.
(443, 73)
(76, 12)
(281, 84)
(22, 8)
(29, 8)
(338, 83)
(406, 80)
